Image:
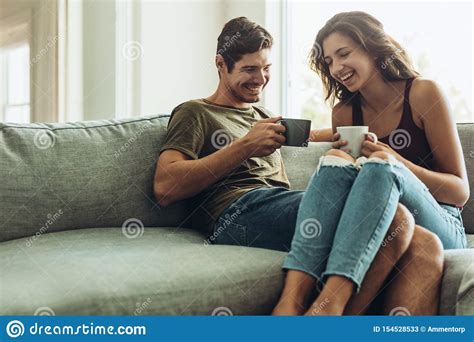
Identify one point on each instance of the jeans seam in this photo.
(358, 265)
(377, 228)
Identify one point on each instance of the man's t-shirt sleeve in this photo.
(185, 132)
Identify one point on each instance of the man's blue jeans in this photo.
(339, 223)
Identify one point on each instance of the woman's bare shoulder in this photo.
(425, 95)
(342, 115)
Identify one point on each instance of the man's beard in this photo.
(243, 99)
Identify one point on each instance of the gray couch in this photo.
(81, 234)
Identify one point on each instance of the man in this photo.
(223, 152)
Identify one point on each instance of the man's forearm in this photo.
(184, 179)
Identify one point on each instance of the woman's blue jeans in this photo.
(346, 212)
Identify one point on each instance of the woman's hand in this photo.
(369, 147)
(336, 143)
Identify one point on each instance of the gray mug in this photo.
(297, 131)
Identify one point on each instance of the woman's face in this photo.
(348, 62)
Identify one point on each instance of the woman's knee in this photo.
(400, 232)
(427, 248)
(384, 156)
(341, 154)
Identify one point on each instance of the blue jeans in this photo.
(346, 213)
(338, 224)
(264, 217)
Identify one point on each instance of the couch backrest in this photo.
(300, 164)
(63, 176)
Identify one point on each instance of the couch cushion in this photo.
(457, 276)
(466, 133)
(301, 162)
(470, 240)
(465, 298)
(79, 175)
(165, 271)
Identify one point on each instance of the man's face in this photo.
(248, 77)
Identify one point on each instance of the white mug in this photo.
(355, 136)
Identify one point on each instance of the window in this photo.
(15, 83)
(437, 36)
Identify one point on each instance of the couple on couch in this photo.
(363, 229)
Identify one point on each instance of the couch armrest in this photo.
(457, 287)
(465, 299)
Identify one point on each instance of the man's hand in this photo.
(264, 137)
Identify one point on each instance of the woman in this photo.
(418, 162)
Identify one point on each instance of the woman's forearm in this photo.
(320, 135)
(444, 187)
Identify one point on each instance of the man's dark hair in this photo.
(239, 37)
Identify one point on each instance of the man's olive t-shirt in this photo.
(198, 128)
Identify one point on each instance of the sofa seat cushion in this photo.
(457, 289)
(470, 240)
(165, 271)
(465, 298)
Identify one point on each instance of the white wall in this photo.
(179, 41)
(179, 44)
(99, 57)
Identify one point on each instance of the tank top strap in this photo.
(357, 117)
(407, 117)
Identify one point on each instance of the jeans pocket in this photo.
(227, 232)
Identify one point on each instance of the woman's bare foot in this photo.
(296, 294)
(288, 307)
(325, 307)
(333, 298)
